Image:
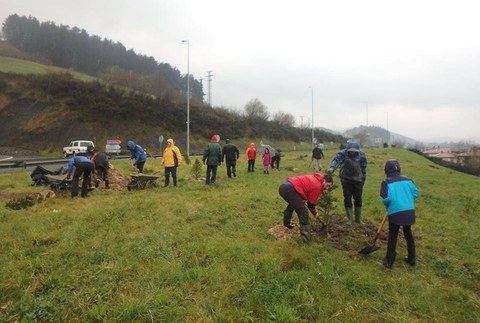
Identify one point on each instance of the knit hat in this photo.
(214, 138)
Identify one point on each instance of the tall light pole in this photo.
(188, 95)
(366, 103)
(312, 113)
(388, 132)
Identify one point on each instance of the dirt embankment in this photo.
(17, 152)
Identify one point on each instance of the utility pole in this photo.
(209, 80)
(312, 116)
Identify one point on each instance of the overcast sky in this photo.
(411, 66)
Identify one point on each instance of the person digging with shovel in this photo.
(398, 194)
(295, 191)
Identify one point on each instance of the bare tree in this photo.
(255, 109)
(284, 119)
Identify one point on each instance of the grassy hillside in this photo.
(44, 112)
(20, 66)
(203, 253)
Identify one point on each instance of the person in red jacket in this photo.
(295, 191)
(251, 155)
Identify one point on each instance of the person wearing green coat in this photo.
(213, 158)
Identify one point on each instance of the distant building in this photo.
(449, 155)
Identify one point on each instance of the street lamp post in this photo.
(312, 114)
(188, 95)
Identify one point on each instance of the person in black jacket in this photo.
(276, 159)
(102, 165)
(230, 154)
(317, 155)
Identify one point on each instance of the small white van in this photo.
(77, 147)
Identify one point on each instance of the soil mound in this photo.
(337, 233)
(22, 201)
(117, 181)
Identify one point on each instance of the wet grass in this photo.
(203, 253)
(19, 66)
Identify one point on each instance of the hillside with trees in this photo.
(49, 110)
(74, 48)
(131, 96)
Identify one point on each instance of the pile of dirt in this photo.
(22, 201)
(280, 232)
(117, 181)
(337, 233)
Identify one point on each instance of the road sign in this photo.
(113, 146)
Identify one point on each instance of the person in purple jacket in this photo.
(398, 194)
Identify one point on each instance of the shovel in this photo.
(373, 247)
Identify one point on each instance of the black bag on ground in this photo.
(39, 177)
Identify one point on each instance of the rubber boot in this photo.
(349, 212)
(107, 184)
(358, 215)
(389, 260)
(305, 231)
(167, 181)
(287, 218)
(174, 180)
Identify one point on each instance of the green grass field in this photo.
(19, 66)
(203, 253)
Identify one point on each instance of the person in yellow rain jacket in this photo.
(171, 159)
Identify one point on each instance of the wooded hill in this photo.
(46, 111)
(125, 96)
(75, 49)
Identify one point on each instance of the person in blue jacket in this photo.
(138, 154)
(398, 194)
(353, 173)
(83, 166)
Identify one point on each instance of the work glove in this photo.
(314, 212)
(330, 170)
(69, 176)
